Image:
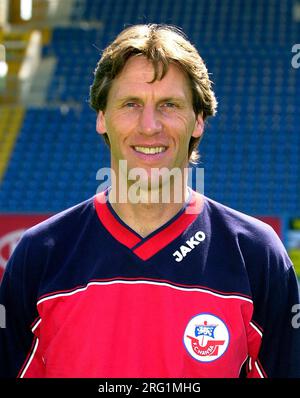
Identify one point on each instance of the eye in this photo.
(169, 105)
(130, 104)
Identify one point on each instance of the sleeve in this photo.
(275, 327)
(16, 298)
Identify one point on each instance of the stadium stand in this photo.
(250, 152)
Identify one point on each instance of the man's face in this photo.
(149, 124)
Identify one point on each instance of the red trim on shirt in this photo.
(152, 245)
(29, 355)
(254, 373)
(114, 227)
(171, 232)
(261, 369)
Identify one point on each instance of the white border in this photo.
(142, 282)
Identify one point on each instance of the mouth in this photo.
(153, 150)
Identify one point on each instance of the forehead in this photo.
(137, 74)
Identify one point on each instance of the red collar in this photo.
(146, 247)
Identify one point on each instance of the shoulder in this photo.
(44, 249)
(239, 223)
(61, 223)
(59, 231)
(254, 237)
(50, 239)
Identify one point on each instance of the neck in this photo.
(146, 212)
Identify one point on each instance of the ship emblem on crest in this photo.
(206, 337)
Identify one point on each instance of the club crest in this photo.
(206, 337)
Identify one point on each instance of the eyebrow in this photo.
(127, 98)
(174, 98)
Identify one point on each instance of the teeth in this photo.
(150, 151)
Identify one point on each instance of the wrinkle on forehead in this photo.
(141, 65)
(137, 76)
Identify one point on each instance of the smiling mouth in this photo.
(150, 150)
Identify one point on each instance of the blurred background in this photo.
(49, 149)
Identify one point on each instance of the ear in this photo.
(100, 124)
(199, 127)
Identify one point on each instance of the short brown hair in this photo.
(162, 45)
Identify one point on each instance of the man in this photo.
(183, 287)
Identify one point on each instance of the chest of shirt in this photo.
(143, 328)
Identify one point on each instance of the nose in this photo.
(150, 122)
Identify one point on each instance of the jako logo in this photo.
(190, 245)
